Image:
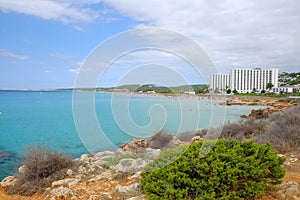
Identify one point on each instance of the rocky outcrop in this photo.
(116, 175)
(262, 113)
(135, 144)
(97, 178)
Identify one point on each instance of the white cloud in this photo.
(61, 10)
(74, 71)
(61, 55)
(5, 53)
(234, 33)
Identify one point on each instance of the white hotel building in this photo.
(245, 80)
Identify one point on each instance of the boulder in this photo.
(130, 165)
(149, 154)
(127, 189)
(8, 181)
(197, 139)
(22, 169)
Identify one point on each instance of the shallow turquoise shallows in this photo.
(45, 118)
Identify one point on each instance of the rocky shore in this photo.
(116, 175)
(274, 105)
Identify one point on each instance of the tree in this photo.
(269, 85)
(228, 91)
(235, 91)
(263, 91)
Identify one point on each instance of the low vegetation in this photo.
(160, 140)
(231, 170)
(281, 130)
(112, 161)
(41, 168)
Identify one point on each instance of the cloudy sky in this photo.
(43, 43)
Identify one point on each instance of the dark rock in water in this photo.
(5, 156)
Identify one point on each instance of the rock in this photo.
(106, 175)
(22, 169)
(62, 193)
(130, 165)
(265, 112)
(65, 182)
(69, 172)
(197, 139)
(292, 191)
(174, 143)
(86, 158)
(149, 154)
(82, 169)
(8, 181)
(135, 144)
(141, 197)
(128, 189)
(104, 159)
(103, 154)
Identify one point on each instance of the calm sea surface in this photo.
(45, 118)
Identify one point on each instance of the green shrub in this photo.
(42, 167)
(230, 170)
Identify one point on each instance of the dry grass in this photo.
(42, 167)
(281, 130)
(160, 140)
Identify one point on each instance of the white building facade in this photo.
(248, 80)
(220, 82)
(245, 80)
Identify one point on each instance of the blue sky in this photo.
(44, 42)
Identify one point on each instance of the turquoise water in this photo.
(34, 118)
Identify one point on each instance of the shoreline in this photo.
(228, 99)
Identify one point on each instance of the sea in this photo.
(51, 119)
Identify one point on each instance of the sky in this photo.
(44, 43)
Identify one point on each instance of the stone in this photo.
(65, 182)
(103, 154)
(86, 158)
(135, 144)
(22, 169)
(197, 139)
(63, 193)
(128, 189)
(291, 191)
(82, 169)
(141, 197)
(8, 181)
(69, 172)
(130, 165)
(150, 154)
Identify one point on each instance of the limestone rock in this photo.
(69, 172)
(150, 154)
(22, 169)
(65, 182)
(8, 181)
(103, 154)
(63, 193)
(130, 165)
(197, 139)
(135, 144)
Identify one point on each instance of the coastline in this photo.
(106, 176)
